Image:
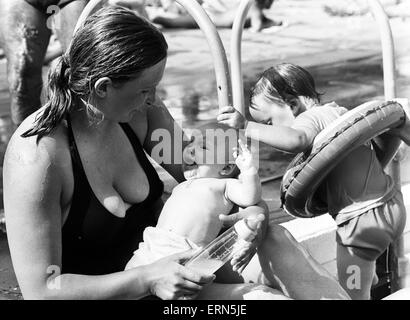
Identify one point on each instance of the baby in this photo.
(190, 217)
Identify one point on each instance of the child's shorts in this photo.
(369, 235)
(158, 243)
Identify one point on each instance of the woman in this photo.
(79, 190)
(56, 187)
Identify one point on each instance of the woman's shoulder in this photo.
(52, 149)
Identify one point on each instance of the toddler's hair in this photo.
(289, 81)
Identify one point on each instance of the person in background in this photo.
(221, 12)
(25, 30)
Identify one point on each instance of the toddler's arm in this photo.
(284, 138)
(246, 190)
(280, 137)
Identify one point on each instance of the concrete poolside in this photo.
(343, 54)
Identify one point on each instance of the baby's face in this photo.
(206, 157)
(271, 111)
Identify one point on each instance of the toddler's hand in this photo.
(243, 158)
(231, 117)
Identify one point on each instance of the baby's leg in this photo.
(355, 274)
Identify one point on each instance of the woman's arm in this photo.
(165, 140)
(34, 192)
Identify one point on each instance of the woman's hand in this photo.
(169, 280)
(231, 117)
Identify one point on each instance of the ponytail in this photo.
(59, 100)
(113, 42)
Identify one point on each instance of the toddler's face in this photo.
(205, 158)
(271, 111)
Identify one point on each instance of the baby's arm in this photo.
(246, 190)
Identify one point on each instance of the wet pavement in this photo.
(342, 53)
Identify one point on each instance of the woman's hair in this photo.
(113, 42)
(289, 81)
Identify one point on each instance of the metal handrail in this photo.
(217, 49)
(236, 56)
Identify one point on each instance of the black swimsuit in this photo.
(42, 5)
(94, 241)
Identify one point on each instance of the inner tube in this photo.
(304, 175)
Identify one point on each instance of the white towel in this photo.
(158, 243)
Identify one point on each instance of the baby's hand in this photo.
(242, 258)
(248, 248)
(243, 158)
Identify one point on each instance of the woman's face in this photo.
(271, 111)
(122, 102)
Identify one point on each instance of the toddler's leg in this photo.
(355, 274)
